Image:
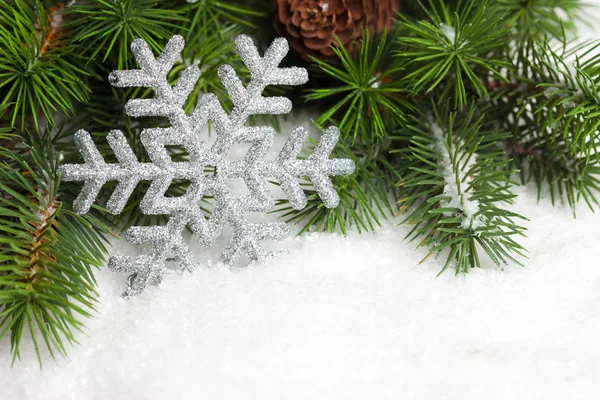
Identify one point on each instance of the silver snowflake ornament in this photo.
(185, 130)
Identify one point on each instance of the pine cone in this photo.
(310, 25)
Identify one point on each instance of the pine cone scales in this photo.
(310, 25)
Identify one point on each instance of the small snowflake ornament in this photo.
(168, 241)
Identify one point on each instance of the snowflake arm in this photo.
(318, 168)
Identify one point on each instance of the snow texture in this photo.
(231, 130)
(449, 32)
(346, 318)
(456, 179)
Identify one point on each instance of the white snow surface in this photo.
(345, 318)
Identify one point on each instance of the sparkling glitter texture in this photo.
(185, 131)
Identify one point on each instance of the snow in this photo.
(459, 196)
(449, 32)
(345, 318)
(351, 318)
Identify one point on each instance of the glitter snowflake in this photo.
(185, 130)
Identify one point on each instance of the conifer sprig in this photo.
(365, 99)
(218, 13)
(107, 27)
(40, 72)
(552, 109)
(456, 189)
(47, 253)
(450, 50)
(540, 18)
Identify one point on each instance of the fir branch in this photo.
(456, 183)
(215, 14)
(367, 99)
(539, 18)
(569, 93)
(40, 73)
(106, 27)
(452, 48)
(552, 110)
(568, 179)
(47, 254)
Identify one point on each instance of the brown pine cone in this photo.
(310, 25)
